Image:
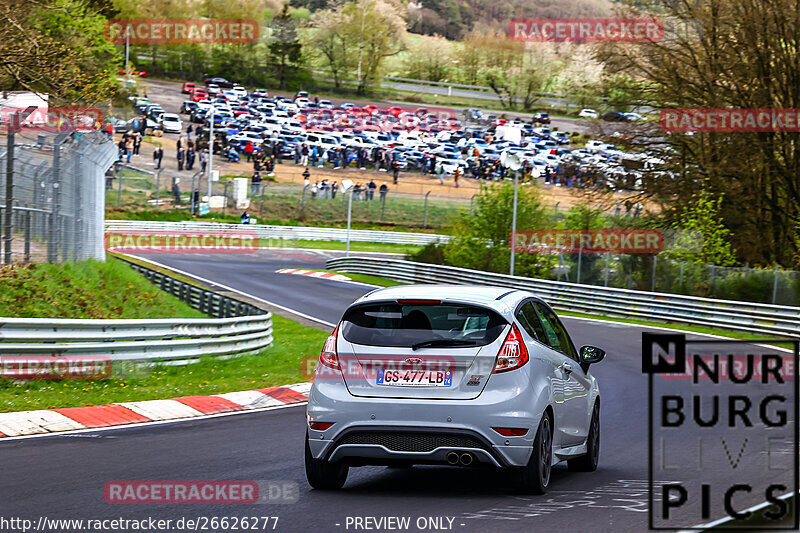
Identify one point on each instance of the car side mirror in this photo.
(591, 354)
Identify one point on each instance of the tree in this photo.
(701, 234)
(284, 49)
(56, 47)
(745, 56)
(482, 239)
(357, 36)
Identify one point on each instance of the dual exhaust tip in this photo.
(464, 459)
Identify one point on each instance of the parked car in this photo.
(219, 82)
(188, 87)
(187, 106)
(615, 116)
(171, 123)
(589, 113)
(560, 137)
(461, 376)
(199, 94)
(541, 118)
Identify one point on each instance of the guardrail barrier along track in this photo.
(275, 232)
(240, 328)
(724, 314)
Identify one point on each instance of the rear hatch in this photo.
(419, 348)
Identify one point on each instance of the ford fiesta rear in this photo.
(442, 376)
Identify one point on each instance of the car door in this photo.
(574, 398)
(529, 320)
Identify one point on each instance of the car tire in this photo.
(535, 476)
(322, 474)
(588, 462)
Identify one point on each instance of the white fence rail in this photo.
(133, 339)
(731, 315)
(276, 232)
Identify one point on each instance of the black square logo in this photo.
(663, 353)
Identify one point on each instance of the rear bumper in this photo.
(385, 424)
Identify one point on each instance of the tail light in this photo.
(328, 357)
(320, 426)
(511, 432)
(513, 354)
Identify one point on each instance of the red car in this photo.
(199, 94)
(395, 110)
(188, 87)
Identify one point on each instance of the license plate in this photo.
(415, 378)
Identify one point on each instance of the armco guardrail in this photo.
(730, 315)
(277, 232)
(240, 328)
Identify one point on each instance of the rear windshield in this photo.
(404, 325)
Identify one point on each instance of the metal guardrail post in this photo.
(655, 263)
(425, 216)
(27, 216)
(9, 200)
(158, 189)
(605, 277)
(775, 284)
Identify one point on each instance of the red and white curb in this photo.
(22, 423)
(314, 274)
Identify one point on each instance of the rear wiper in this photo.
(442, 342)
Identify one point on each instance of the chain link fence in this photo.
(51, 195)
(657, 273)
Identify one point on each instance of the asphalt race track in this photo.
(62, 476)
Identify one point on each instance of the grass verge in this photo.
(88, 289)
(281, 364)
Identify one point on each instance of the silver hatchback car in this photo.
(452, 375)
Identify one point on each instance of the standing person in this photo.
(396, 170)
(176, 190)
(326, 187)
(190, 156)
(306, 177)
(248, 150)
(371, 186)
(276, 150)
(383, 190)
(158, 155)
(255, 184)
(314, 155)
(137, 142)
(180, 143)
(456, 176)
(334, 189)
(304, 155)
(203, 159)
(189, 131)
(298, 152)
(181, 158)
(128, 149)
(121, 149)
(314, 189)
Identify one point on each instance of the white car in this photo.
(212, 89)
(326, 104)
(171, 123)
(589, 113)
(635, 117)
(239, 91)
(449, 166)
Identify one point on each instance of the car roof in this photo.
(499, 298)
